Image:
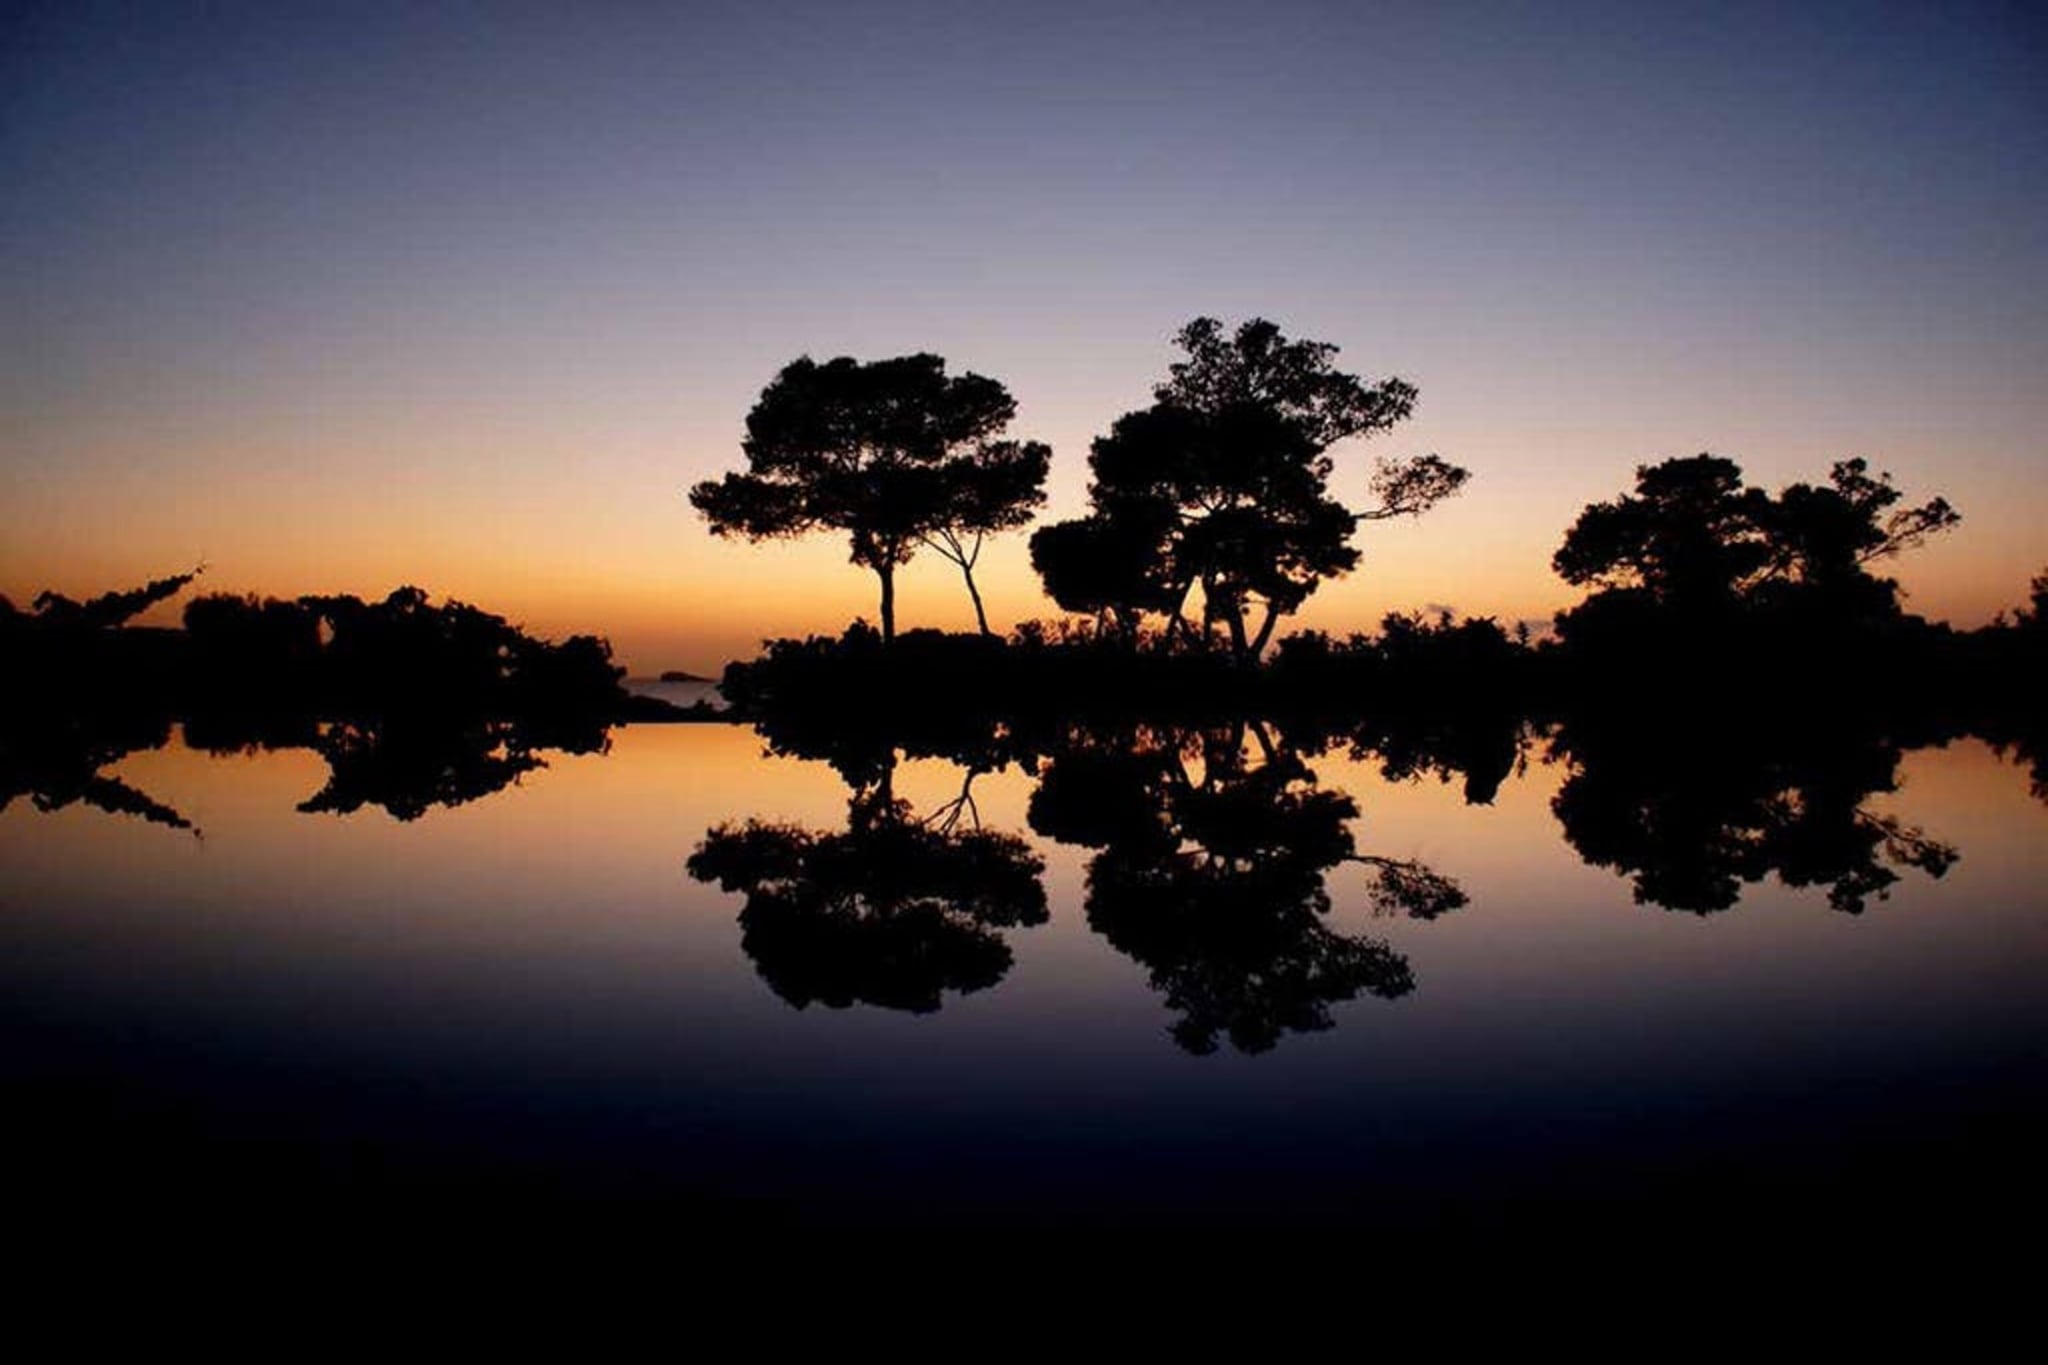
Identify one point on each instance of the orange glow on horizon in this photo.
(566, 537)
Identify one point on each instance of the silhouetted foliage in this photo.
(894, 452)
(58, 761)
(1438, 696)
(67, 657)
(409, 765)
(339, 655)
(931, 693)
(2006, 670)
(2034, 616)
(1211, 873)
(857, 704)
(412, 705)
(1223, 484)
(895, 911)
(1695, 561)
(78, 693)
(1690, 537)
(107, 611)
(1696, 807)
(1115, 565)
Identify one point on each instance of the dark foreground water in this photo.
(525, 1005)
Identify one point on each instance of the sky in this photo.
(336, 297)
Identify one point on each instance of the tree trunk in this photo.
(1238, 644)
(980, 616)
(886, 571)
(1265, 632)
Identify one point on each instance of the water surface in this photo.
(528, 996)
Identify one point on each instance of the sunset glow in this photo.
(386, 297)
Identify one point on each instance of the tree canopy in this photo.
(1695, 540)
(108, 611)
(1223, 484)
(896, 453)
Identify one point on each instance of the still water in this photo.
(529, 996)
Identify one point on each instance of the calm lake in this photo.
(530, 996)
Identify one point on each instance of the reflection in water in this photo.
(1211, 874)
(2026, 742)
(412, 705)
(406, 764)
(1478, 748)
(57, 761)
(408, 767)
(894, 912)
(1691, 813)
(1214, 845)
(334, 1017)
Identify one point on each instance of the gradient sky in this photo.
(340, 296)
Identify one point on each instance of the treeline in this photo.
(1929, 676)
(334, 654)
(328, 656)
(412, 704)
(1216, 512)
(1704, 591)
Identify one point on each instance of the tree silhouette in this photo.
(894, 911)
(1691, 537)
(109, 610)
(1115, 565)
(1694, 542)
(1836, 529)
(2034, 616)
(1223, 484)
(895, 453)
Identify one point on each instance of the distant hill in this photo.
(677, 675)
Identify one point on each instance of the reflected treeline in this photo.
(1223, 866)
(413, 705)
(1442, 698)
(407, 767)
(62, 761)
(1693, 813)
(1213, 848)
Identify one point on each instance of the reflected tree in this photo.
(893, 911)
(2009, 668)
(58, 761)
(1693, 814)
(1214, 850)
(1442, 697)
(410, 765)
